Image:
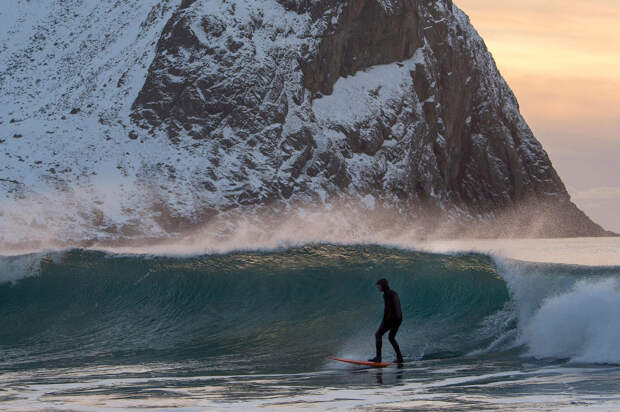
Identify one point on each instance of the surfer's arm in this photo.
(387, 309)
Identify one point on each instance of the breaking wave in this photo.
(249, 311)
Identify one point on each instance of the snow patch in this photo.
(363, 95)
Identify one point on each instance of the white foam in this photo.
(562, 314)
(582, 324)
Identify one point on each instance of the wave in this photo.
(566, 311)
(249, 310)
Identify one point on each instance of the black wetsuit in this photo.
(392, 318)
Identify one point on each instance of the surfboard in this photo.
(363, 363)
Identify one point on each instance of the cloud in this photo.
(597, 194)
(601, 204)
(577, 38)
(570, 102)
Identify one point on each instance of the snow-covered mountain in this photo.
(144, 119)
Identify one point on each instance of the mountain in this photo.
(147, 119)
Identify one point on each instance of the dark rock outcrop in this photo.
(278, 85)
(373, 119)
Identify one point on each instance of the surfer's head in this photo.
(382, 285)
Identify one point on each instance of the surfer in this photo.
(392, 318)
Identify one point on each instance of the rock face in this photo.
(386, 104)
(397, 99)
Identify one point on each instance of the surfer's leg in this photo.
(392, 338)
(379, 341)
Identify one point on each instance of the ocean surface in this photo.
(94, 330)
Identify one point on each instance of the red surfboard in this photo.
(363, 363)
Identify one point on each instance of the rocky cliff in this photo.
(199, 108)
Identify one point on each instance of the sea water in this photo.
(483, 329)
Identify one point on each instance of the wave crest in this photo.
(582, 324)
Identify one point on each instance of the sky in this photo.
(562, 60)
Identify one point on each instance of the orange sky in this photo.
(562, 59)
